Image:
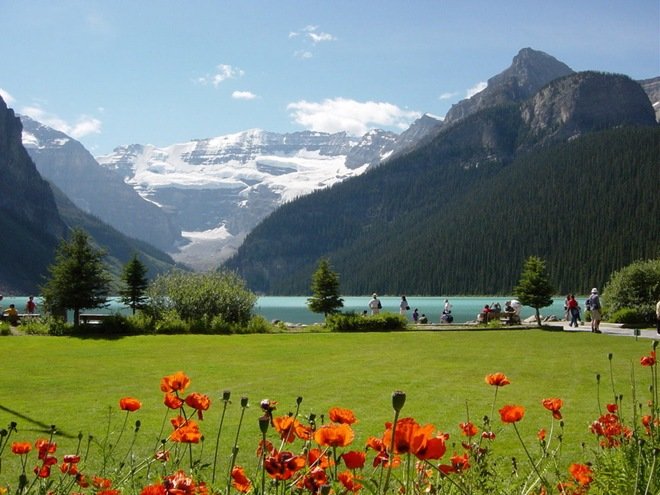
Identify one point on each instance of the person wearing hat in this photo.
(594, 304)
(374, 304)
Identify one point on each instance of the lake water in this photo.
(294, 309)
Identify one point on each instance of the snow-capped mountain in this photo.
(218, 189)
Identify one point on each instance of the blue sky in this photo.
(116, 72)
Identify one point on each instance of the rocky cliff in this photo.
(95, 189)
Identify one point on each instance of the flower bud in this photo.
(298, 400)
(226, 394)
(244, 401)
(263, 423)
(398, 400)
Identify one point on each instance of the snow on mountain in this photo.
(218, 189)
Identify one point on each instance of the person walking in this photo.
(573, 310)
(657, 316)
(594, 304)
(375, 305)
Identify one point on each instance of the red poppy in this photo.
(512, 413)
(497, 379)
(458, 463)
(488, 435)
(21, 448)
(173, 401)
(553, 405)
(45, 447)
(469, 429)
(157, 489)
(541, 434)
(581, 473)
(648, 360)
(313, 480)
(283, 465)
(101, 483)
(129, 404)
(200, 402)
(349, 481)
(239, 480)
(334, 435)
(354, 459)
(181, 484)
(344, 416)
(178, 382)
(612, 408)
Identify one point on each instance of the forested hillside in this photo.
(588, 207)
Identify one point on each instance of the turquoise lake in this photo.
(294, 309)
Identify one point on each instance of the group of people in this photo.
(572, 310)
(11, 313)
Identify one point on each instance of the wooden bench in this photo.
(510, 319)
(92, 318)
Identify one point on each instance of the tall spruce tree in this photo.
(325, 290)
(78, 277)
(134, 277)
(534, 288)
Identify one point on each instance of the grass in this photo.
(76, 383)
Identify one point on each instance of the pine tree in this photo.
(135, 284)
(534, 288)
(325, 290)
(78, 277)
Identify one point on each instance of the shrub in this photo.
(632, 316)
(200, 296)
(352, 322)
(634, 286)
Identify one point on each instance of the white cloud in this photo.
(354, 117)
(222, 73)
(9, 99)
(309, 35)
(477, 88)
(448, 96)
(243, 95)
(84, 125)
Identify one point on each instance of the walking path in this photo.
(609, 329)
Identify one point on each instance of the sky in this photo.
(160, 72)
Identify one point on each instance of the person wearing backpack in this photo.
(593, 304)
(374, 305)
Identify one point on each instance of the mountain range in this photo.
(566, 172)
(200, 199)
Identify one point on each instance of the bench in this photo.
(92, 318)
(511, 319)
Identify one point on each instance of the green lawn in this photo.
(74, 383)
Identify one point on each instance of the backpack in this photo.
(380, 306)
(587, 304)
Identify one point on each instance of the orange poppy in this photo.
(458, 463)
(21, 448)
(581, 473)
(316, 457)
(497, 379)
(410, 437)
(344, 416)
(541, 434)
(553, 405)
(334, 435)
(185, 430)
(289, 428)
(199, 402)
(354, 459)
(512, 413)
(349, 481)
(488, 435)
(239, 480)
(178, 382)
(129, 404)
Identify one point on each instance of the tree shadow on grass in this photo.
(42, 427)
